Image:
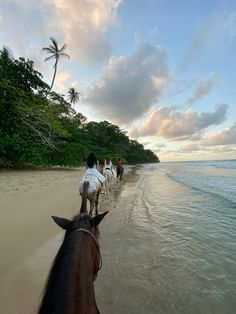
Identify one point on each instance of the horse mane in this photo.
(59, 276)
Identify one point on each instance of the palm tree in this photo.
(5, 61)
(73, 96)
(55, 53)
(5, 53)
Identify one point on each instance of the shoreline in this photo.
(72, 168)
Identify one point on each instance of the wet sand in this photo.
(29, 239)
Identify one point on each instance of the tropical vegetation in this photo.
(39, 127)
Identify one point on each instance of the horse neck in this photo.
(70, 286)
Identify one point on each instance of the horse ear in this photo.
(62, 222)
(98, 218)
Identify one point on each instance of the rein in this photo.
(96, 243)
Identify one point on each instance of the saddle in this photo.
(108, 168)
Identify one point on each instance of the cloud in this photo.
(215, 33)
(224, 137)
(230, 25)
(130, 85)
(174, 125)
(151, 144)
(145, 143)
(199, 150)
(1, 15)
(189, 148)
(60, 80)
(159, 147)
(228, 149)
(203, 37)
(203, 87)
(82, 25)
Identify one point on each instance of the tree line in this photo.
(39, 127)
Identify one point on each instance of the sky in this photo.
(163, 70)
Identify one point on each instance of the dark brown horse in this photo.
(70, 285)
(120, 172)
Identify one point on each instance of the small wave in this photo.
(220, 186)
(225, 164)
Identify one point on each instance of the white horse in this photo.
(94, 191)
(109, 176)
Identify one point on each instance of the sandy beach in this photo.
(167, 243)
(29, 239)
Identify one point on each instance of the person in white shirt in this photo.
(96, 183)
(92, 168)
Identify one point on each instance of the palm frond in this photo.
(73, 95)
(54, 49)
(62, 48)
(55, 44)
(65, 55)
(48, 50)
(71, 90)
(49, 58)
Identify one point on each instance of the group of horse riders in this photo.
(70, 284)
(94, 168)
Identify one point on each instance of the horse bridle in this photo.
(96, 243)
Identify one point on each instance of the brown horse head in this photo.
(81, 221)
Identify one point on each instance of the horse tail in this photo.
(83, 208)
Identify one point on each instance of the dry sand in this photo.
(29, 239)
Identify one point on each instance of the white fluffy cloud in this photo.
(130, 85)
(224, 137)
(82, 24)
(169, 123)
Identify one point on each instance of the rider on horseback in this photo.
(119, 162)
(119, 167)
(92, 168)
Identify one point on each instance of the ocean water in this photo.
(171, 246)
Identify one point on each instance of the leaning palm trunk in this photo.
(54, 75)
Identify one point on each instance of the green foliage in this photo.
(70, 154)
(137, 154)
(39, 127)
